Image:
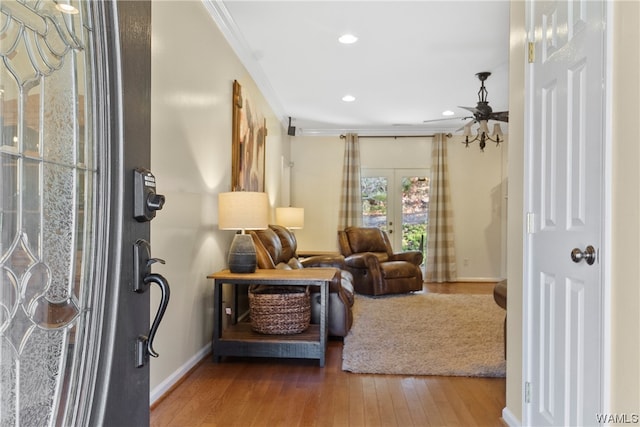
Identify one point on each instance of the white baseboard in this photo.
(479, 279)
(172, 379)
(510, 419)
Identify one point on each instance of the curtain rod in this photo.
(448, 135)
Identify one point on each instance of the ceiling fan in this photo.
(482, 113)
(482, 110)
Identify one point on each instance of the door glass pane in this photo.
(374, 201)
(8, 99)
(415, 213)
(47, 303)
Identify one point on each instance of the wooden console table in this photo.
(239, 340)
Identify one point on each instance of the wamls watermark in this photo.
(618, 418)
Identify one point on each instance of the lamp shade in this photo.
(484, 127)
(292, 218)
(497, 130)
(243, 210)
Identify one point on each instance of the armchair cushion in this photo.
(366, 240)
(397, 269)
(414, 257)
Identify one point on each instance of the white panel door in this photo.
(565, 146)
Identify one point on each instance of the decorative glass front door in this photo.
(74, 318)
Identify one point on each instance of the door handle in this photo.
(589, 255)
(144, 344)
(164, 302)
(142, 280)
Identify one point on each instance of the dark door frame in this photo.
(122, 389)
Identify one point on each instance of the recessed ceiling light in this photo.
(448, 113)
(348, 98)
(347, 39)
(66, 8)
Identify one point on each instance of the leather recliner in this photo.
(276, 247)
(376, 269)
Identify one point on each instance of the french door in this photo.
(74, 123)
(397, 201)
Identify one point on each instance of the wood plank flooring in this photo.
(282, 392)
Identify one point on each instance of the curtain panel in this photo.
(441, 253)
(350, 212)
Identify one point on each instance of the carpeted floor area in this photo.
(426, 334)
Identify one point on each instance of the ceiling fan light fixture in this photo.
(484, 127)
(497, 131)
(348, 98)
(482, 113)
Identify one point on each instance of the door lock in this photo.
(146, 202)
(589, 255)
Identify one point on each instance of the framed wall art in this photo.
(249, 138)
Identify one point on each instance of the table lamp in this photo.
(291, 218)
(242, 210)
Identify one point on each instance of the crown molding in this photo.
(389, 131)
(221, 16)
(370, 131)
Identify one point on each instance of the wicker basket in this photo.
(280, 310)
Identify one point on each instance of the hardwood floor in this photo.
(296, 392)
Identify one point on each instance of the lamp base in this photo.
(242, 254)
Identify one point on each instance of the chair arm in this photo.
(335, 286)
(336, 261)
(414, 257)
(364, 260)
(366, 264)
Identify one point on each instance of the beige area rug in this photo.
(426, 334)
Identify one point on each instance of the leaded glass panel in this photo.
(46, 210)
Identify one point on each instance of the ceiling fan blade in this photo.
(474, 110)
(502, 116)
(444, 119)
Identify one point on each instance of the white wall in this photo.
(478, 190)
(315, 186)
(477, 186)
(193, 69)
(515, 207)
(623, 291)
